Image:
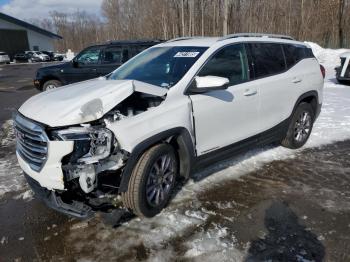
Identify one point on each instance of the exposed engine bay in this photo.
(135, 104)
(93, 170)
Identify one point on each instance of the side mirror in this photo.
(204, 84)
(75, 63)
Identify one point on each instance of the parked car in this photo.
(92, 62)
(50, 54)
(25, 58)
(4, 58)
(343, 71)
(59, 57)
(172, 109)
(42, 57)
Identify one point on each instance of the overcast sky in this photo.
(28, 9)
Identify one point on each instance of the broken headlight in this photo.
(90, 144)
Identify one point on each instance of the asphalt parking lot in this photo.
(268, 204)
(16, 85)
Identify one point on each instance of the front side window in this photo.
(230, 62)
(89, 56)
(268, 59)
(161, 66)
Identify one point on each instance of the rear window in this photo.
(268, 59)
(296, 53)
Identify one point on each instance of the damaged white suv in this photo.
(133, 134)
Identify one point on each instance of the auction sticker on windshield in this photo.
(186, 54)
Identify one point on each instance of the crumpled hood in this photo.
(83, 102)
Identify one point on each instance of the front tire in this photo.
(300, 127)
(152, 181)
(51, 84)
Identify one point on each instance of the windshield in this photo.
(161, 66)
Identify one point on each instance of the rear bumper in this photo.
(318, 110)
(53, 200)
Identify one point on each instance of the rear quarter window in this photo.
(295, 53)
(268, 59)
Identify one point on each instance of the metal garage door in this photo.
(13, 41)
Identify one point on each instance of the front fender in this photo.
(185, 149)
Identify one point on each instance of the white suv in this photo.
(170, 109)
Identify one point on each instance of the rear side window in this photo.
(268, 59)
(296, 53)
(230, 62)
(112, 55)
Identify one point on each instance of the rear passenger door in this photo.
(276, 85)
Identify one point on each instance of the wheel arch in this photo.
(49, 78)
(310, 97)
(179, 138)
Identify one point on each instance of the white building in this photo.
(18, 36)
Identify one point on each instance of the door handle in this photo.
(296, 80)
(249, 92)
(94, 69)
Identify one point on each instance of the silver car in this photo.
(4, 58)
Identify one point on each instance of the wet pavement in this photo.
(292, 206)
(16, 86)
(287, 210)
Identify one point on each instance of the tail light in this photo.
(323, 71)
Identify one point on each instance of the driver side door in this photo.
(224, 117)
(83, 66)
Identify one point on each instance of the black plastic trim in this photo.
(143, 146)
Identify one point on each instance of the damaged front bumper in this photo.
(53, 200)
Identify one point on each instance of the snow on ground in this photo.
(11, 179)
(182, 215)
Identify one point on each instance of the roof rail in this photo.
(181, 38)
(286, 37)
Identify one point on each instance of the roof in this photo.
(134, 42)
(24, 24)
(345, 55)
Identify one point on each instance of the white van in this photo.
(174, 107)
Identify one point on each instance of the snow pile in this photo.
(327, 57)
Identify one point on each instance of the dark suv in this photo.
(92, 62)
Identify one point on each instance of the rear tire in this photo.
(152, 181)
(300, 127)
(51, 84)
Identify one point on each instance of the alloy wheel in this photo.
(302, 127)
(160, 180)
